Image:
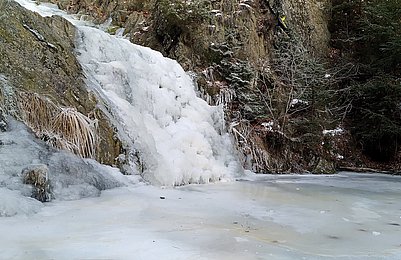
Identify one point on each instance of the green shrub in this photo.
(370, 30)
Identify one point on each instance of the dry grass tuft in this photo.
(2, 107)
(60, 127)
(1, 98)
(36, 111)
(77, 130)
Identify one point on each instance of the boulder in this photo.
(37, 176)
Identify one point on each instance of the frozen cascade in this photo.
(154, 103)
(174, 130)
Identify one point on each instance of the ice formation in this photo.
(70, 176)
(175, 132)
(178, 136)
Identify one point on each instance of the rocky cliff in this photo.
(40, 76)
(241, 54)
(262, 60)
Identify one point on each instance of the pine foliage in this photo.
(368, 35)
(377, 115)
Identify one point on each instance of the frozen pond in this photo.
(344, 216)
(100, 214)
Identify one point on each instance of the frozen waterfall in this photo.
(153, 103)
(175, 132)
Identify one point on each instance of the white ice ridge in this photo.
(154, 101)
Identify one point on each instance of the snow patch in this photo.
(268, 125)
(294, 102)
(334, 132)
(13, 203)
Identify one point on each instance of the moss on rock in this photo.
(37, 56)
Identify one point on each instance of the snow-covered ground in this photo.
(346, 216)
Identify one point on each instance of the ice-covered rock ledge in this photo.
(70, 176)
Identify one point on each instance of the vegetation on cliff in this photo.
(367, 34)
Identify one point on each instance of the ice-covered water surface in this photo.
(348, 216)
(152, 100)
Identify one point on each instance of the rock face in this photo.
(37, 176)
(310, 20)
(37, 55)
(37, 59)
(236, 50)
